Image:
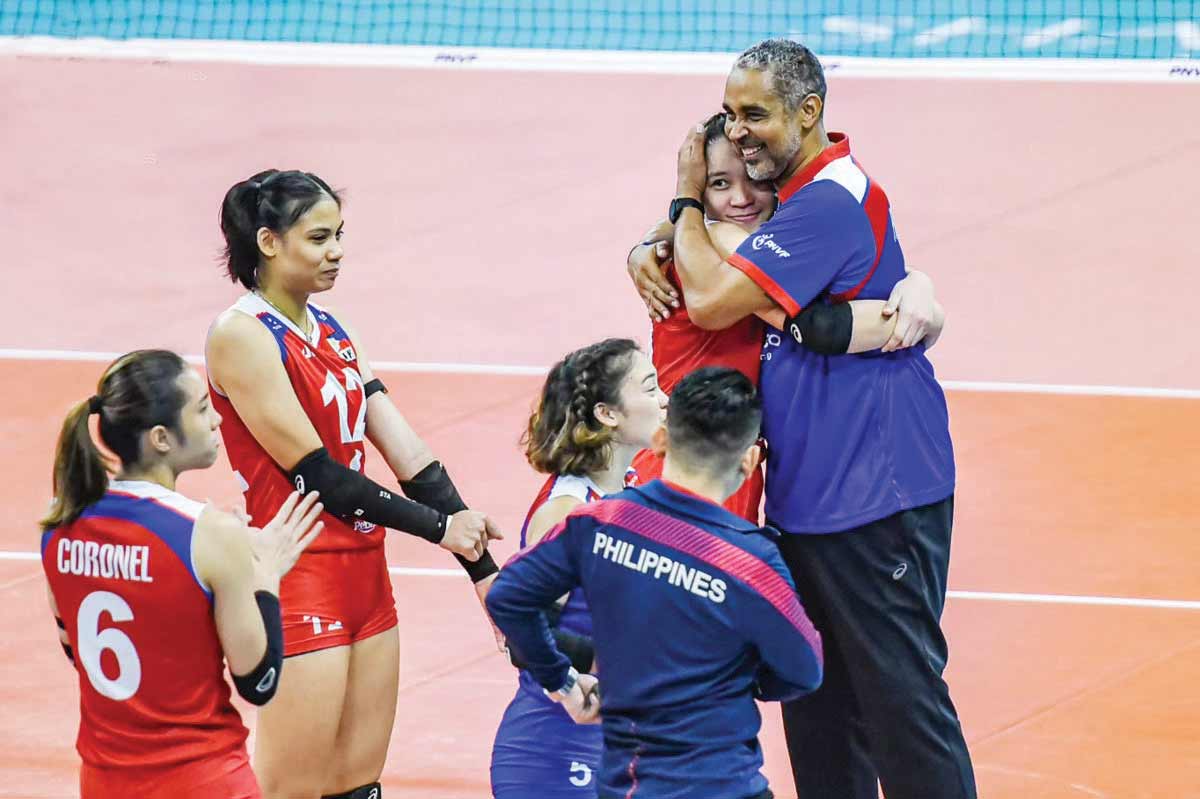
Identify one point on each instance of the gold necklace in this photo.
(306, 330)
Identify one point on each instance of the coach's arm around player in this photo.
(733, 209)
(911, 314)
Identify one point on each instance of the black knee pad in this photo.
(372, 791)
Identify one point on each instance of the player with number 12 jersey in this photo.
(318, 611)
(323, 369)
(299, 399)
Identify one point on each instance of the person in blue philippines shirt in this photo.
(693, 612)
(599, 406)
(861, 475)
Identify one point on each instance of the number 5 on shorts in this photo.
(91, 641)
(581, 774)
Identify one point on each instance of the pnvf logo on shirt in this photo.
(766, 241)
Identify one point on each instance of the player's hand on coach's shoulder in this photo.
(468, 533)
(278, 545)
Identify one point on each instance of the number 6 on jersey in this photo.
(91, 642)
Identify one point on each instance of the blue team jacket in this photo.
(694, 616)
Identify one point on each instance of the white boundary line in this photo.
(1068, 599)
(987, 596)
(14, 354)
(1084, 390)
(602, 61)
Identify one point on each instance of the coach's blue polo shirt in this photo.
(852, 438)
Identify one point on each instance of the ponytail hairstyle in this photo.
(271, 199)
(137, 392)
(564, 436)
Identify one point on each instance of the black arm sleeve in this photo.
(351, 496)
(770, 687)
(576, 647)
(433, 487)
(66, 647)
(259, 685)
(824, 329)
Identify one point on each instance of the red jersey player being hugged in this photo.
(735, 205)
(152, 591)
(299, 398)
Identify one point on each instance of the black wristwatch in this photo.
(679, 203)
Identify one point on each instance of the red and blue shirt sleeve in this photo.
(786, 640)
(818, 241)
(529, 583)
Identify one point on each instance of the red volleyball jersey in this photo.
(566, 485)
(324, 373)
(678, 346)
(152, 689)
(745, 502)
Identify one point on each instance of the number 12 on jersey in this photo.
(333, 391)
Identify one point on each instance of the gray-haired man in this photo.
(860, 477)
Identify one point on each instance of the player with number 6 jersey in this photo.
(153, 592)
(300, 399)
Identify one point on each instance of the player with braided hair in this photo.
(599, 406)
